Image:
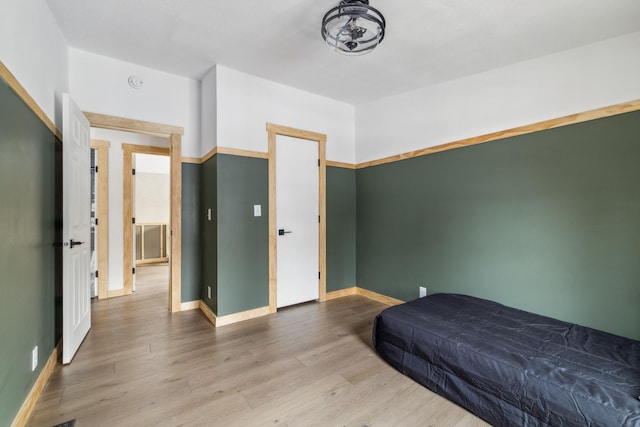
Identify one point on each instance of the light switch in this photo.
(209, 214)
(257, 210)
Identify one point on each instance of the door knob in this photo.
(282, 232)
(74, 243)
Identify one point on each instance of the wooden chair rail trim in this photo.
(22, 93)
(598, 113)
(129, 125)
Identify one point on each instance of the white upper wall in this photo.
(209, 117)
(153, 163)
(33, 49)
(100, 85)
(577, 80)
(152, 197)
(245, 104)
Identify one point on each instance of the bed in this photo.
(511, 367)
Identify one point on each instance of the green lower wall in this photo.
(28, 172)
(243, 240)
(341, 228)
(548, 222)
(191, 270)
(209, 232)
(234, 245)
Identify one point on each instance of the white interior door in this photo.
(297, 200)
(76, 205)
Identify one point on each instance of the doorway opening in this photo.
(174, 232)
(154, 221)
(147, 215)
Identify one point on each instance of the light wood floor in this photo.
(308, 365)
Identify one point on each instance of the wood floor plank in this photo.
(294, 401)
(307, 365)
(360, 400)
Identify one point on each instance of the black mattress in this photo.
(511, 367)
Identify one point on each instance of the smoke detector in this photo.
(135, 82)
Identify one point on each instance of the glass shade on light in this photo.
(353, 27)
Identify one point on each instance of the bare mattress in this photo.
(511, 367)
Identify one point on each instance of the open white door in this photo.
(76, 207)
(297, 177)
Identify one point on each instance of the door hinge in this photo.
(133, 171)
(318, 162)
(96, 273)
(96, 221)
(318, 219)
(318, 275)
(133, 270)
(133, 220)
(95, 169)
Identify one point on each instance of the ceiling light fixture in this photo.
(353, 27)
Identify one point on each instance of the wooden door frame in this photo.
(102, 190)
(273, 131)
(174, 133)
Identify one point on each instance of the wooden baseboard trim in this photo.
(378, 297)
(115, 293)
(32, 398)
(365, 293)
(263, 311)
(243, 315)
(232, 318)
(190, 305)
(217, 321)
(341, 293)
(209, 314)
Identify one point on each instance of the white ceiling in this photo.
(426, 42)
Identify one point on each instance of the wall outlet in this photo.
(34, 358)
(423, 291)
(209, 292)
